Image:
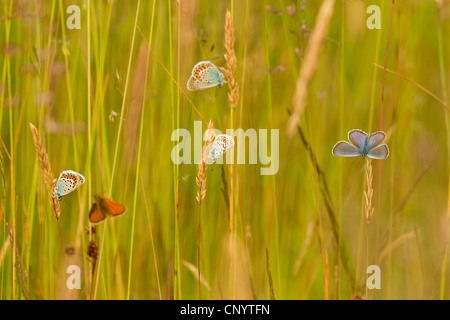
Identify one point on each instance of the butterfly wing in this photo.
(80, 179)
(376, 139)
(357, 138)
(67, 182)
(193, 84)
(345, 149)
(226, 141)
(205, 75)
(96, 214)
(380, 152)
(214, 153)
(221, 145)
(114, 209)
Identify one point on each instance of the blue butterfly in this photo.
(205, 75)
(67, 182)
(221, 145)
(362, 144)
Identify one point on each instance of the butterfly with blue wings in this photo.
(362, 144)
(67, 182)
(205, 75)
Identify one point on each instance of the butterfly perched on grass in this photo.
(67, 182)
(221, 145)
(104, 208)
(205, 75)
(362, 144)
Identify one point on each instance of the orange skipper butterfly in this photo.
(103, 208)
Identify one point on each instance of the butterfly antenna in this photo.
(67, 203)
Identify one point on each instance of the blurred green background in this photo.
(299, 234)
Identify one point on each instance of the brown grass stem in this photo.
(230, 58)
(46, 170)
(233, 98)
(269, 276)
(22, 275)
(326, 195)
(368, 208)
(368, 194)
(201, 183)
(309, 64)
(431, 94)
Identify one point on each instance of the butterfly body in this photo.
(104, 208)
(205, 75)
(365, 148)
(221, 145)
(362, 144)
(67, 182)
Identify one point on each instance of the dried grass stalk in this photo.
(44, 165)
(201, 183)
(194, 270)
(312, 226)
(309, 64)
(269, 276)
(368, 209)
(327, 277)
(22, 274)
(201, 176)
(4, 251)
(230, 58)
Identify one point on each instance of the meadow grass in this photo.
(104, 100)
